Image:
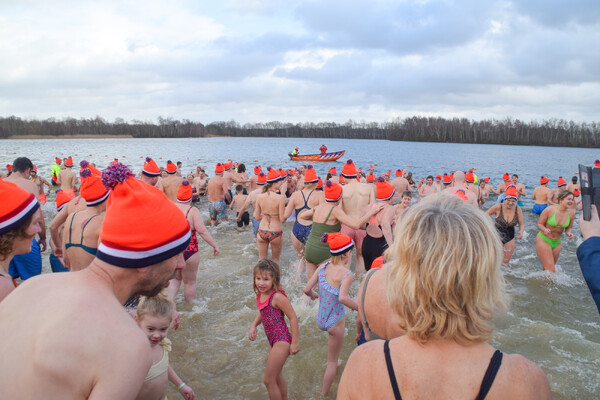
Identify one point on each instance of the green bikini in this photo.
(552, 222)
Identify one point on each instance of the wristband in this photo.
(180, 386)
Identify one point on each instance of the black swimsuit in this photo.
(486, 384)
(506, 229)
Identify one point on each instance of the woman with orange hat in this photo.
(301, 200)
(190, 255)
(379, 228)
(20, 221)
(269, 210)
(507, 215)
(553, 221)
(326, 218)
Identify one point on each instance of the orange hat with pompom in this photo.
(219, 168)
(184, 193)
(310, 176)
(576, 192)
(69, 162)
(470, 177)
(506, 177)
(349, 170)
(150, 168)
(257, 170)
(16, 207)
(62, 198)
(511, 193)
(561, 181)
(384, 190)
(273, 176)
(171, 168)
(262, 179)
(446, 179)
(319, 184)
(92, 188)
(333, 192)
(142, 226)
(339, 243)
(544, 179)
(332, 171)
(371, 178)
(84, 164)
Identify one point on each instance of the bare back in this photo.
(400, 184)
(270, 206)
(67, 179)
(356, 197)
(215, 188)
(170, 185)
(81, 234)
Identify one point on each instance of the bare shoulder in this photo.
(525, 378)
(358, 380)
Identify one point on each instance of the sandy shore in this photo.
(68, 136)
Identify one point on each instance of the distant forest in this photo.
(552, 132)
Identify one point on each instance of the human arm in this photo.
(522, 191)
(386, 224)
(232, 202)
(306, 215)
(252, 333)
(203, 232)
(226, 192)
(519, 212)
(588, 254)
(282, 200)
(184, 389)
(42, 234)
(312, 282)
(353, 223)
(494, 210)
(45, 182)
(569, 230)
(345, 299)
(281, 301)
(54, 227)
(289, 208)
(257, 211)
(541, 225)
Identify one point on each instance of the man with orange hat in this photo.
(27, 265)
(520, 189)
(261, 180)
(40, 182)
(170, 184)
(217, 194)
(560, 185)
(427, 189)
(502, 185)
(460, 189)
(65, 336)
(356, 197)
(400, 183)
(55, 170)
(473, 187)
(541, 195)
(150, 172)
(67, 179)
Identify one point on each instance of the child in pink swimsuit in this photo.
(273, 307)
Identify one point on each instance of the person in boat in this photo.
(323, 149)
(294, 152)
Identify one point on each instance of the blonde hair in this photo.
(444, 277)
(159, 305)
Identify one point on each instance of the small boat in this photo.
(317, 157)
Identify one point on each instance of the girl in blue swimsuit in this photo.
(333, 279)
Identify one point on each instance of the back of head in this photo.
(459, 177)
(22, 164)
(444, 277)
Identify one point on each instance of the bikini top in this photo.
(372, 335)
(162, 366)
(552, 220)
(305, 206)
(486, 384)
(373, 220)
(503, 223)
(87, 249)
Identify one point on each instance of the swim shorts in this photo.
(217, 209)
(245, 220)
(538, 208)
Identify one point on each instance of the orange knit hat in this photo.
(469, 177)
(57, 160)
(310, 176)
(487, 179)
(69, 162)
(142, 226)
(576, 192)
(273, 176)
(384, 190)
(511, 193)
(184, 193)
(342, 180)
(227, 166)
(282, 173)
(446, 179)
(399, 172)
(262, 179)
(333, 192)
(16, 207)
(9, 167)
(171, 168)
(378, 262)
(319, 184)
(597, 163)
(506, 177)
(92, 189)
(62, 198)
(438, 177)
(257, 170)
(370, 178)
(349, 170)
(219, 168)
(332, 171)
(544, 179)
(150, 168)
(338, 243)
(561, 182)
(84, 164)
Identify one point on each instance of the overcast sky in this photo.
(296, 61)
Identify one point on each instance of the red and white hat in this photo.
(62, 198)
(349, 170)
(384, 190)
(320, 184)
(371, 178)
(561, 181)
(257, 170)
(142, 226)
(16, 206)
(332, 171)
(219, 169)
(511, 193)
(399, 172)
(310, 176)
(69, 162)
(506, 177)
(184, 193)
(171, 168)
(92, 189)
(446, 179)
(57, 160)
(262, 179)
(470, 177)
(150, 168)
(338, 243)
(227, 166)
(273, 176)
(84, 164)
(333, 192)
(544, 179)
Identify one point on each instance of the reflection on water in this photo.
(554, 324)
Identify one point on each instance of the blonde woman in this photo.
(445, 286)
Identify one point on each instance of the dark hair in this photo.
(241, 168)
(515, 176)
(179, 163)
(7, 239)
(328, 177)
(22, 164)
(268, 266)
(430, 176)
(239, 188)
(407, 193)
(574, 179)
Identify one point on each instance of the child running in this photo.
(239, 200)
(334, 279)
(154, 316)
(272, 304)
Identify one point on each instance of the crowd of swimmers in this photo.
(124, 237)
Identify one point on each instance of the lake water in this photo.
(555, 325)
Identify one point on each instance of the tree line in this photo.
(552, 132)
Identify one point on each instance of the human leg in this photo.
(276, 245)
(545, 253)
(273, 380)
(334, 348)
(189, 275)
(509, 248)
(263, 246)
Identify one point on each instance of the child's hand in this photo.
(216, 251)
(294, 348)
(313, 295)
(187, 392)
(176, 320)
(252, 333)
